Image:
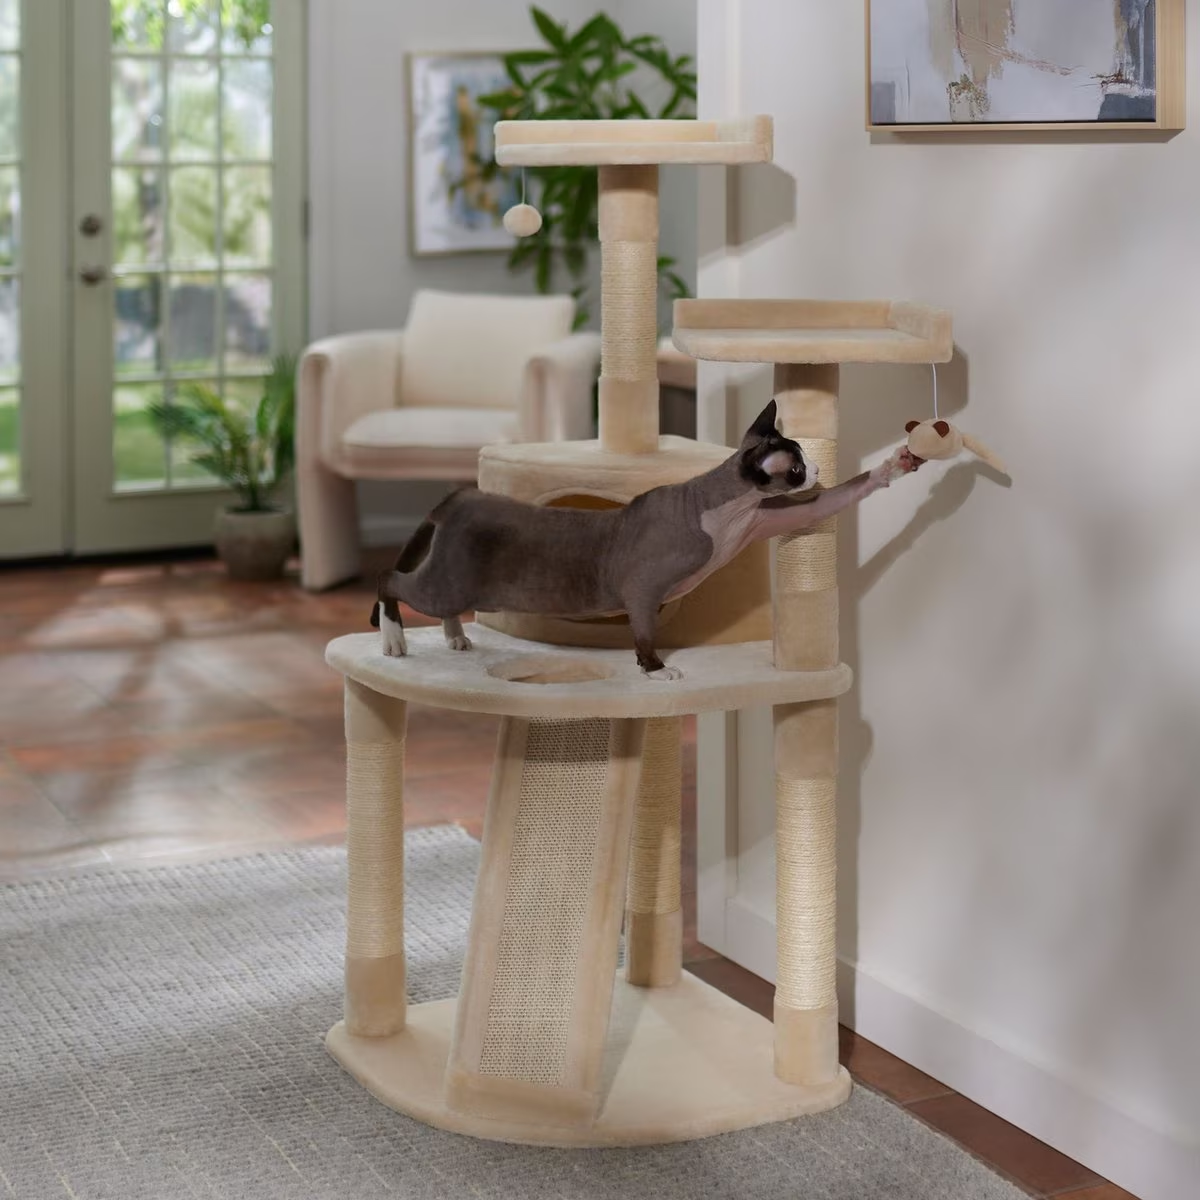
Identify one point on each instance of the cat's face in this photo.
(772, 463)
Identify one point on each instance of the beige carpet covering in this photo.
(161, 1036)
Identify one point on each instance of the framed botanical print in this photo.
(1025, 64)
(457, 198)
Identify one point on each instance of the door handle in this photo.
(93, 275)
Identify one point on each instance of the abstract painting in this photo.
(457, 201)
(978, 62)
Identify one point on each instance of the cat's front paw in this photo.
(391, 635)
(459, 641)
(664, 673)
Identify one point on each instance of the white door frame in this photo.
(36, 522)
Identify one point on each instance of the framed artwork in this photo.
(453, 206)
(937, 65)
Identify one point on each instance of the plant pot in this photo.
(254, 545)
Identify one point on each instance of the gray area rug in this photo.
(161, 1036)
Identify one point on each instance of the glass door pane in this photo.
(192, 175)
(197, 141)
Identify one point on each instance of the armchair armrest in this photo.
(556, 400)
(340, 379)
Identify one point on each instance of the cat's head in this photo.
(772, 463)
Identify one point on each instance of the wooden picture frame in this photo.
(1167, 59)
(449, 212)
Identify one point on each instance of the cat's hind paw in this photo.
(459, 641)
(391, 635)
(665, 674)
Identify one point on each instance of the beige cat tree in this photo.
(547, 1042)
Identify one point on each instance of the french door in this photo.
(159, 242)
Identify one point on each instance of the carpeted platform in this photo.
(161, 1036)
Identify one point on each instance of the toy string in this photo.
(522, 185)
(935, 408)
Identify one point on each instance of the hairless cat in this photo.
(481, 552)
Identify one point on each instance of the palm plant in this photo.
(591, 74)
(251, 450)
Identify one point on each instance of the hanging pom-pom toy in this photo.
(522, 220)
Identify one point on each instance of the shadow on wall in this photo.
(760, 200)
(871, 422)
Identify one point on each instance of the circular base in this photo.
(682, 1062)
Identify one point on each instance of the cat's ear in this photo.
(764, 423)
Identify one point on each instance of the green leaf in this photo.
(599, 29)
(526, 57)
(499, 100)
(638, 108)
(545, 265)
(512, 70)
(554, 33)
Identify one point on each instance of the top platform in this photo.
(634, 142)
(813, 331)
(517, 678)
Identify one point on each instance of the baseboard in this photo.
(379, 529)
(1151, 1162)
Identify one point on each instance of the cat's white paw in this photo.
(391, 634)
(897, 465)
(459, 641)
(664, 673)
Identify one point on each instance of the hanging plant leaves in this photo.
(589, 74)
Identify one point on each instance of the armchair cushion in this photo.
(470, 351)
(411, 442)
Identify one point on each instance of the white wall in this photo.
(361, 273)
(1020, 852)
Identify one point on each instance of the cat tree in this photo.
(546, 1042)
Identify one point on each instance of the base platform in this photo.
(682, 1062)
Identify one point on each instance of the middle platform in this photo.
(512, 677)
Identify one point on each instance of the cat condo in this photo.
(548, 1041)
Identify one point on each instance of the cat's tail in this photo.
(411, 557)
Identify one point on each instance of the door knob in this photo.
(90, 225)
(93, 275)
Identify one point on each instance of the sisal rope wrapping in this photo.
(629, 310)
(655, 852)
(806, 898)
(375, 848)
(807, 561)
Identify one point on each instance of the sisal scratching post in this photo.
(628, 219)
(806, 639)
(537, 985)
(375, 728)
(653, 909)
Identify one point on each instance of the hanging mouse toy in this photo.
(940, 439)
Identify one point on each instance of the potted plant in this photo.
(596, 72)
(251, 451)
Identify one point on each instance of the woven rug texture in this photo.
(161, 1036)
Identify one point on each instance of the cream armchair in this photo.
(419, 403)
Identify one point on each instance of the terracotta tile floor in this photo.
(154, 711)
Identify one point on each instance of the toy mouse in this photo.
(940, 439)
